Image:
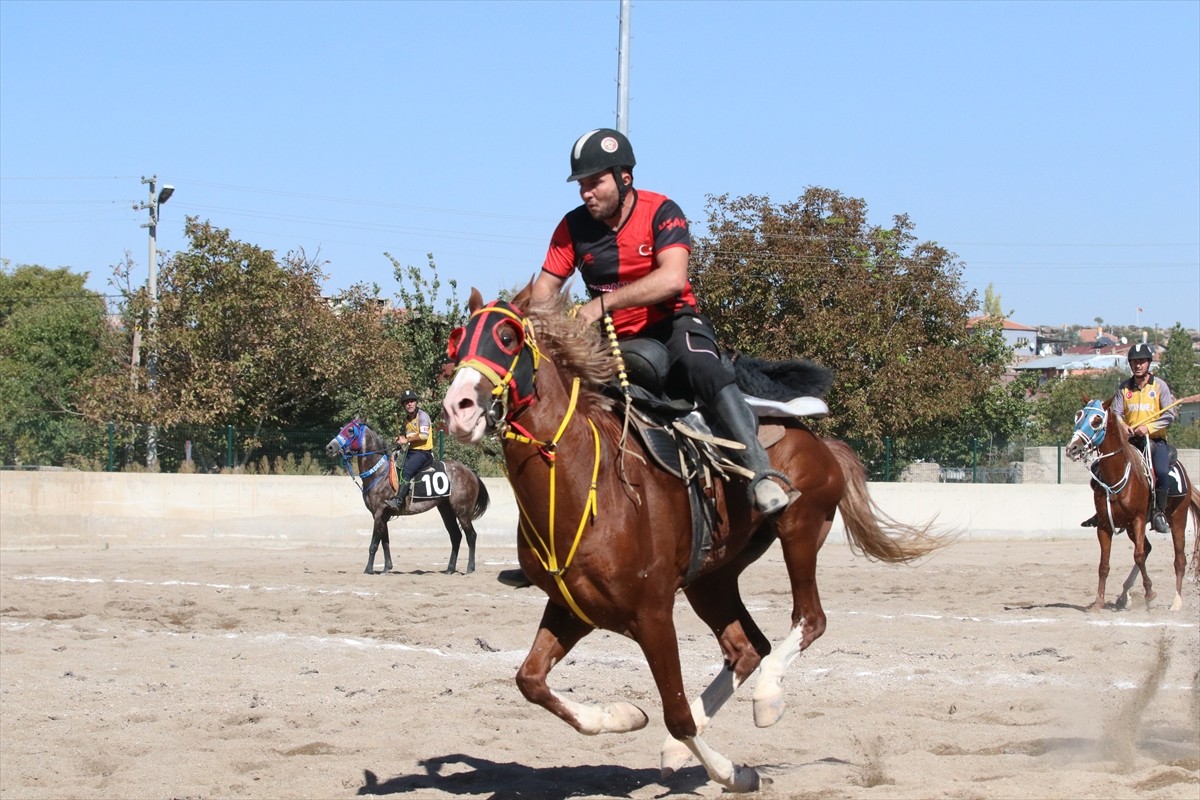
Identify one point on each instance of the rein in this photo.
(1115, 489)
(1111, 490)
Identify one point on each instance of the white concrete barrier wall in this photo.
(40, 510)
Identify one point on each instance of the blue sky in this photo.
(1055, 147)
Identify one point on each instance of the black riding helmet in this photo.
(408, 395)
(603, 149)
(1142, 351)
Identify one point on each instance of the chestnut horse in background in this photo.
(1121, 490)
(608, 536)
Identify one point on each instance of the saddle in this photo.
(1177, 480)
(680, 440)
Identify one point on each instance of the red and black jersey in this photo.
(609, 259)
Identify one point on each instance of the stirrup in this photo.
(775, 499)
(1159, 523)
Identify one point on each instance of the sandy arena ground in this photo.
(213, 673)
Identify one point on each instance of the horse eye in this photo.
(508, 339)
(1078, 416)
(1097, 422)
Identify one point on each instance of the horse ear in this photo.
(522, 298)
(475, 302)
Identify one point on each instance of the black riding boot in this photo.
(731, 410)
(1090, 522)
(397, 502)
(1159, 522)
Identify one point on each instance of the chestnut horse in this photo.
(467, 501)
(1121, 490)
(608, 536)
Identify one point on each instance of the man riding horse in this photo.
(418, 438)
(1144, 402)
(632, 248)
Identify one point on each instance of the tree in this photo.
(1052, 418)
(424, 327)
(243, 339)
(421, 332)
(1178, 364)
(53, 338)
(992, 307)
(811, 278)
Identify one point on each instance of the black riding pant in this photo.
(415, 461)
(695, 359)
(1159, 458)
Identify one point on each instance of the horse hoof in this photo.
(745, 779)
(768, 709)
(675, 756)
(624, 718)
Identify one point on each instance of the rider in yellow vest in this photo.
(1140, 402)
(418, 437)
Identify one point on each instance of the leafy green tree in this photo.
(422, 330)
(992, 306)
(813, 279)
(53, 337)
(1178, 367)
(244, 339)
(1053, 415)
(425, 324)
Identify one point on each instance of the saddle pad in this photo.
(813, 407)
(431, 483)
(1177, 481)
(769, 433)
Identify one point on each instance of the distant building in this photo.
(1021, 338)
(1051, 367)
(1189, 410)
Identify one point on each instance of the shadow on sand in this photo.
(459, 774)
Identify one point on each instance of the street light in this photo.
(152, 361)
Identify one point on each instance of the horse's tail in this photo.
(869, 530)
(482, 499)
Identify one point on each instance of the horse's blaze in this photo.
(464, 412)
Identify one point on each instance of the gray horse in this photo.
(467, 501)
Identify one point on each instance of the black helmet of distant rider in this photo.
(1142, 351)
(409, 396)
(602, 150)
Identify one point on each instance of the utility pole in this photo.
(156, 199)
(623, 71)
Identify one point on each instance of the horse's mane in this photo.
(372, 441)
(1121, 431)
(577, 349)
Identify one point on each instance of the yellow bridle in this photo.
(546, 549)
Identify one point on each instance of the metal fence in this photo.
(302, 452)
